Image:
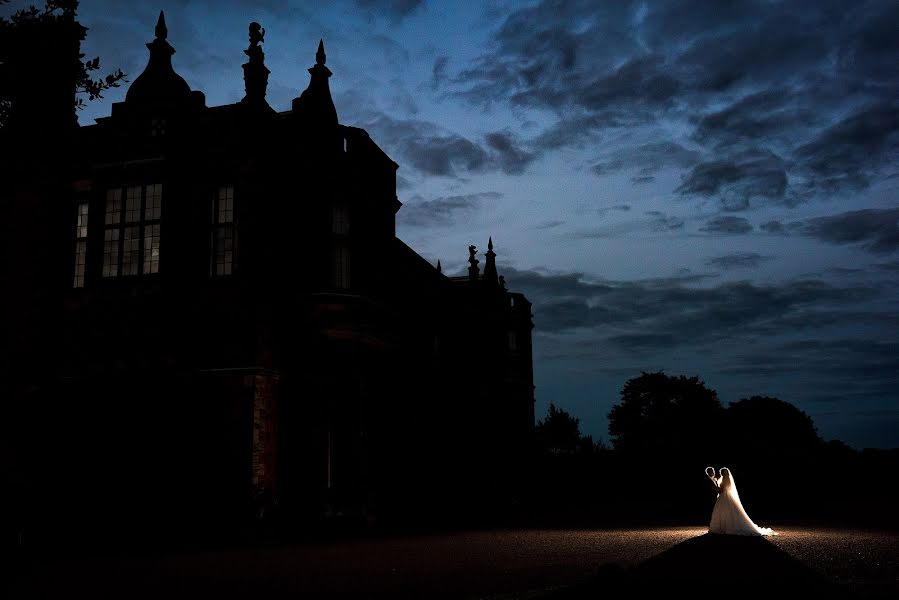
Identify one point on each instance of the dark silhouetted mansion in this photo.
(237, 329)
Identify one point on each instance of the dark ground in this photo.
(551, 564)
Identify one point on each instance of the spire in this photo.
(320, 54)
(162, 31)
(439, 268)
(315, 105)
(159, 85)
(255, 73)
(473, 262)
(490, 277)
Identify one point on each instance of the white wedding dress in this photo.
(728, 516)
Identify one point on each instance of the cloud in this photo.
(427, 147)
(438, 71)
(728, 224)
(549, 224)
(846, 154)
(641, 82)
(888, 266)
(661, 222)
(433, 150)
(604, 210)
(841, 361)
(647, 159)
(877, 230)
(776, 227)
(642, 314)
(771, 112)
(657, 222)
(784, 99)
(572, 131)
(737, 260)
(396, 10)
(509, 155)
(444, 210)
(737, 180)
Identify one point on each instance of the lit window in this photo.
(113, 206)
(340, 218)
(153, 202)
(224, 233)
(111, 253)
(131, 238)
(81, 227)
(151, 248)
(111, 235)
(132, 204)
(80, 244)
(131, 250)
(340, 273)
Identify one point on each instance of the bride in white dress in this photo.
(728, 516)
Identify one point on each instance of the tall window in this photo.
(340, 272)
(340, 218)
(223, 231)
(340, 260)
(131, 237)
(80, 244)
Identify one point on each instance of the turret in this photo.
(159, 86)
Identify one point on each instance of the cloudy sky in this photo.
(704, 187)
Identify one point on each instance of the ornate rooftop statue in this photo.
(255, 73)
(257, 36)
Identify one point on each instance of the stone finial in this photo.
(315, 106)
(162, 31)
(490, 275)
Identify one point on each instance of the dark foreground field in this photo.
(552, 564)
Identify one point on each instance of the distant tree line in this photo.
(666, 429)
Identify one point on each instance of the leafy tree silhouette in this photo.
(560, 433)
(41, 63)
(763, 425)
(773, 442)
(661, 414)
